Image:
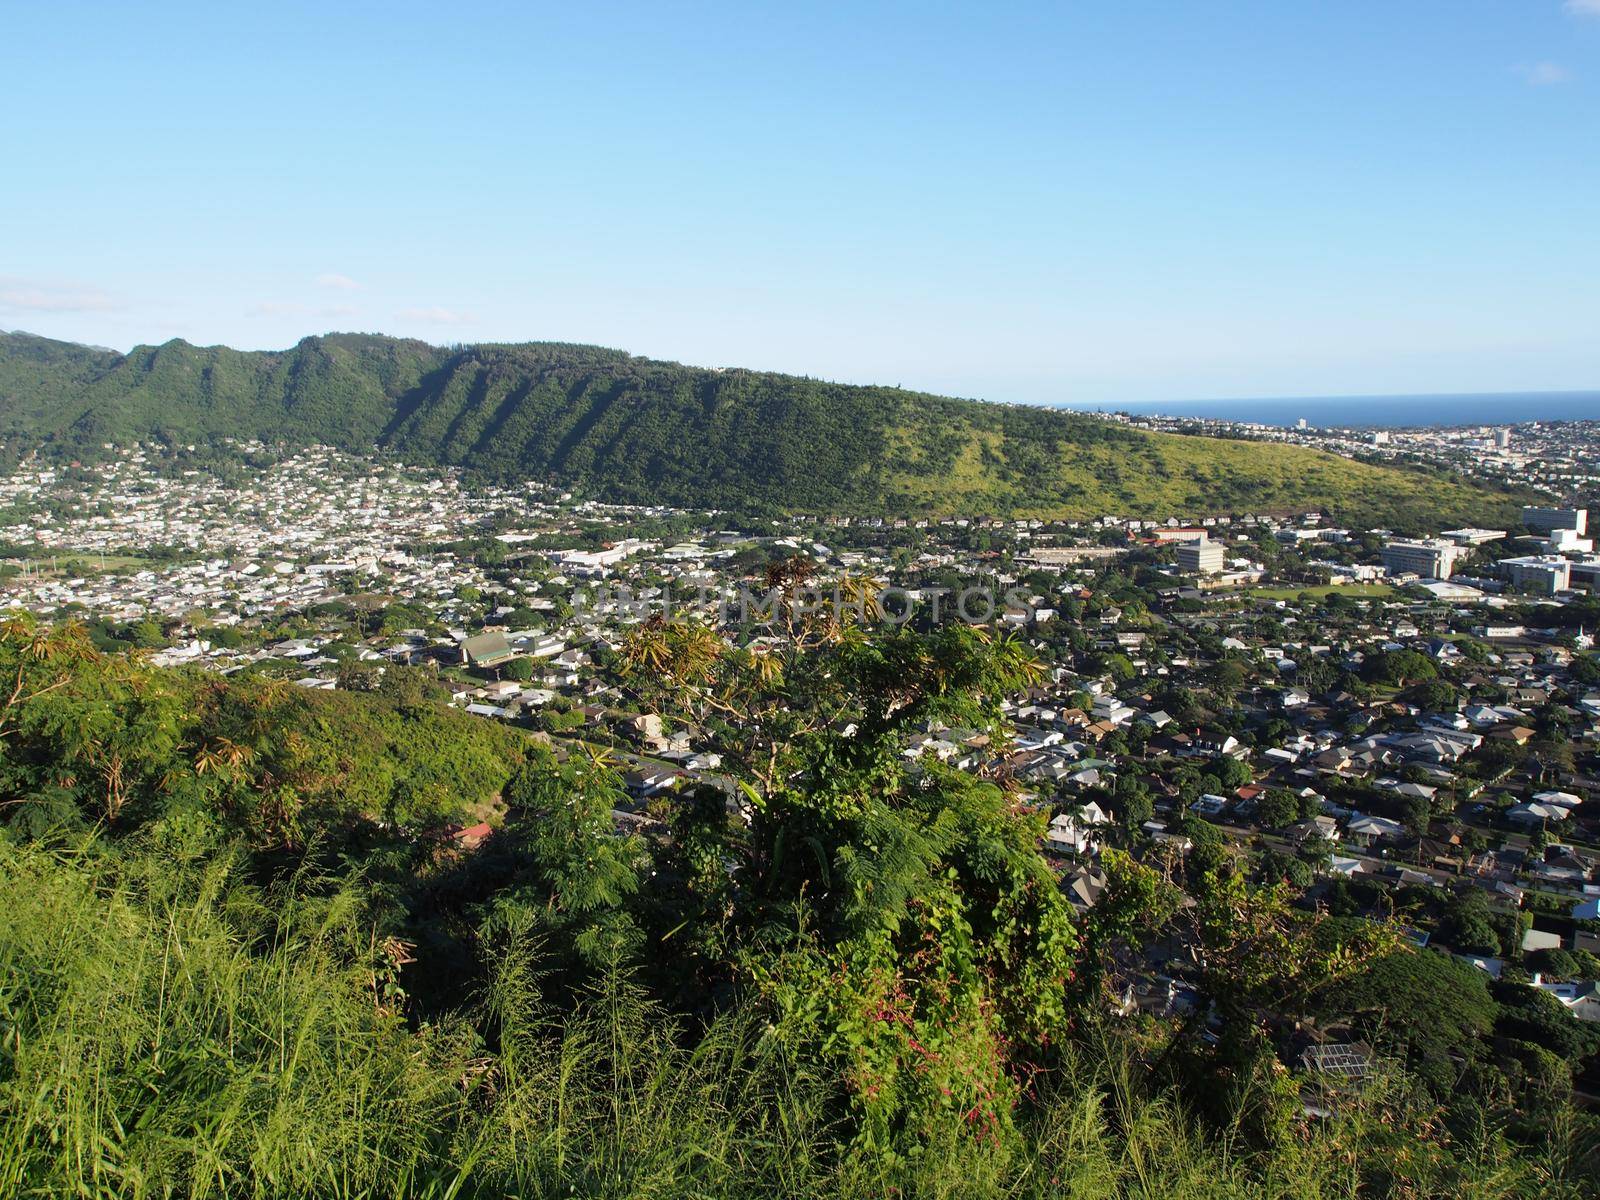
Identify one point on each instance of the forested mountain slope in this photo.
(631, 429)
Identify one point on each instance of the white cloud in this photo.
(436, 316)
(1583, 8)
(1543, 74)
(31, 296)
(339, 283)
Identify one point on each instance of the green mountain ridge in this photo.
(636, 430)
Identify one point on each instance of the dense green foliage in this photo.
(96, 737)
(171, 1029)
(1426, 1006)
(635, 430)
(234, 962)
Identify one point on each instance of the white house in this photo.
(1367, 830)
(1075, 831)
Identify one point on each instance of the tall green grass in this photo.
(168, 1029)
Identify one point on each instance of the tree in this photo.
(1208, 854)
(1313, 673)
(1532, 1015)
(1227, 680)
(1557, 963)
(1398, 668)
(1261, 952)
(1119, 666)
(1585, 670)
(1276, 808)
(1423, 1004)
(1133, 801)
(1231, 773)
(927, 940)
(1436, 695)
(147, 635)
(84, 724)
(1416, 813)
(354, 676)
(1136, 809)
(1273, 866)
(580, 871)
(1468, 925)
(1138, 901)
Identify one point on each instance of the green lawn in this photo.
(72, 562)
(1356, 591)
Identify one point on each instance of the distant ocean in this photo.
(1393, 412)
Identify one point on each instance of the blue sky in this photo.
(1116, 200)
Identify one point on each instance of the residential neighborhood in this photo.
(1400, 727)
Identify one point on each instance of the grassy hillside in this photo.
(169, 1033)
(235, 963)
(1135, 473)
(635, 430)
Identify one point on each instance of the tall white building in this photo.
(1544, 520)
(1433, 559)
(1201, 557)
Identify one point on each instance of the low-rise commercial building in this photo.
(1546, 573)
(1585, 571)
(1473, 537)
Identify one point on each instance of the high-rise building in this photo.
(1543, 520)
(1202, 557)
(1434, 559)
(1502, 438)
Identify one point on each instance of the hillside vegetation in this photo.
(634, 430)
(234, 962)
(237, 959)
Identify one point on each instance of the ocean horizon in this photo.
(1375, 412)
